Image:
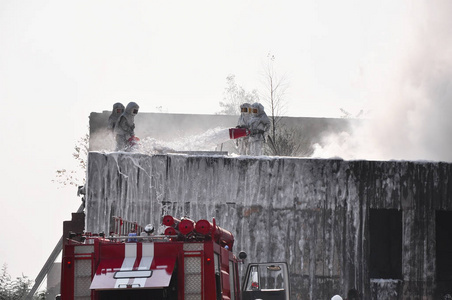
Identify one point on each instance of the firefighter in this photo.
(259, 124)
(125, 128)
(117, 111)
(245, 116)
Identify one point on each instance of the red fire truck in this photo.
(190, 261)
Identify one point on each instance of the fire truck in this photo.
(189, 261)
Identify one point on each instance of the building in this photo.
(383, 227)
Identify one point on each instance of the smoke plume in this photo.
(410, 95)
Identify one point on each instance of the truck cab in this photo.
(266, 281)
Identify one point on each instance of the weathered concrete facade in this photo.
(312, 213)
(169, 127)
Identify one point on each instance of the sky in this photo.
(61, 60)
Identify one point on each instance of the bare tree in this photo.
(273, 94)
(289, 141)
(285, 141)
(234, 96)
(80, 154)
(348, 115)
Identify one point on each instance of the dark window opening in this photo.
(444, 245)
(385, 231)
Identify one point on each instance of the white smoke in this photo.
(103, 139)
(410, 93)
(207, 141)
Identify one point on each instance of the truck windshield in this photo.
(265, 277)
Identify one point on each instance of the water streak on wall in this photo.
(311, 213)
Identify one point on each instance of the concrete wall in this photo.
(169, 127)
(314, 214)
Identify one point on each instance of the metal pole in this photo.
(48, 264)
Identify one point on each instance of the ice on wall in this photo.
(311, 213)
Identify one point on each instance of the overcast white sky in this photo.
(61, 60)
